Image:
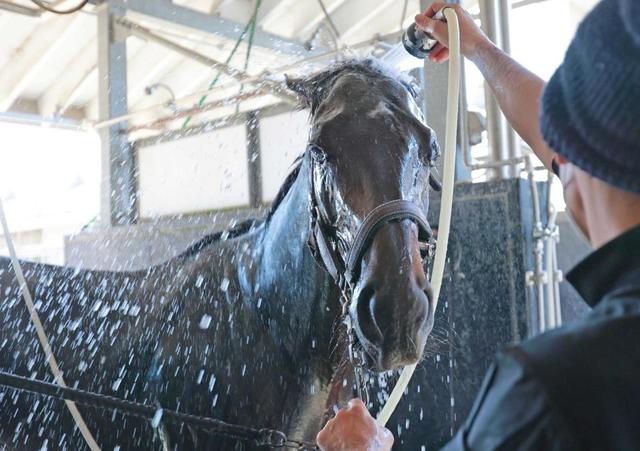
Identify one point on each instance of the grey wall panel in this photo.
(143, 245)
(484, 307)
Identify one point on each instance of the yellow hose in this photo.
(446, 199)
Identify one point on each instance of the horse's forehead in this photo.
(354, 82)
(372, 105)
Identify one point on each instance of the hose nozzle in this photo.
(419, 43)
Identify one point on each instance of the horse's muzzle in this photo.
(392, 304)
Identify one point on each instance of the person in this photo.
(576, 387)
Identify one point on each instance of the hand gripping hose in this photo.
(447, 197)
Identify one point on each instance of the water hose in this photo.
(446, 202)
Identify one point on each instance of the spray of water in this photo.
(400, 59)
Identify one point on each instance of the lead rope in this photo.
(262, 437)
(444, 221)
(356, 359)
(42, 336)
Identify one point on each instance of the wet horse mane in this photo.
(313, 91)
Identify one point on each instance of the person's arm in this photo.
(517, 90)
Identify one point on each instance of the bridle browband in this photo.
(345, 271)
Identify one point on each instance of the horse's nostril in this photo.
(366, 314)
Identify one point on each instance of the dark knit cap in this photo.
(590, 110)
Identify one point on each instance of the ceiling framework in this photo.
(48, 63)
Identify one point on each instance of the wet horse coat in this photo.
(239, 327)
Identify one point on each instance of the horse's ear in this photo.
(302, 87)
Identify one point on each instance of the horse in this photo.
(244, 326)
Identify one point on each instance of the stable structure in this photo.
(197, 133)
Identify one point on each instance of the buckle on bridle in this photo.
(271, 438)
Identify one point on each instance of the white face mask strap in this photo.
(566, 173)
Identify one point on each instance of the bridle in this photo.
(345, 270)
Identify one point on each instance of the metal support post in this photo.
(118, 185)
(254, 160)
(503, 141)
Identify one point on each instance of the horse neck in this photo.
(288, 277)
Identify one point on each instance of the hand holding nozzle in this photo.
(432, 24)
(419, 42)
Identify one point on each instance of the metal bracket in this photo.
(120, 32)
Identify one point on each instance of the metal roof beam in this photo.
(34, 56)
(169, 12)
(269, 87)
(309, 26)
(61, 94)
(344, 17)
(20, 9)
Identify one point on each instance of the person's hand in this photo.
(353, 429)
(471, 36)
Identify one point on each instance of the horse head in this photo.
(369, 146)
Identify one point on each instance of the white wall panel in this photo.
(283, 138)
(197, 173)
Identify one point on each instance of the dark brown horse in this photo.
(242, 327)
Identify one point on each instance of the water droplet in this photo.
(116, 384)
(134, 310)
(155, 422)
(199, 281)
(212, 382)
(244, 369)
(104, 311)
(224, 285)
(200, 376)
(205, 321)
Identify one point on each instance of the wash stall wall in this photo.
(192, 185)
(209, 171)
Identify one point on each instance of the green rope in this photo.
(252, 31)
(249, 27)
